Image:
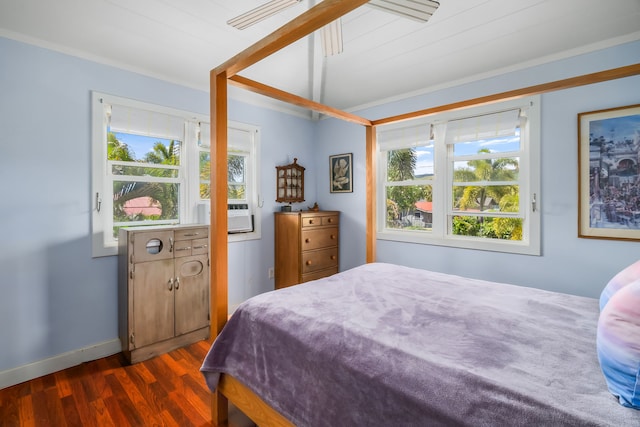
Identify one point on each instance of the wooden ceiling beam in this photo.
(280, 95)
(315, 18)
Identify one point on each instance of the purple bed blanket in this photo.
(385, 345)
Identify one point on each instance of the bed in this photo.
(383, 344)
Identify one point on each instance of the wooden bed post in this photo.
(218, 230)
(371, 193)
(315, 18)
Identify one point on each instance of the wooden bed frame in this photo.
(315, 18)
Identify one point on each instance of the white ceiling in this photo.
(385, 56)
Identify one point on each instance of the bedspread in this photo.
(388, 345)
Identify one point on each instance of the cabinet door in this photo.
(192, 293)
(153, 316)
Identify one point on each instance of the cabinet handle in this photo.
(170, 244)
(177, 283)
(171, 284)
(309, 262)
(200, 247)
(191, 234)
(186, 248)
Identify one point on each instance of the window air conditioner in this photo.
(239, 218)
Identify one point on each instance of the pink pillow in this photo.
(619, 281)
(618, 344)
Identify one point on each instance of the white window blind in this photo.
(204, 134)
(237, 139)
(147, 123)
(407, 136)
(485, 126)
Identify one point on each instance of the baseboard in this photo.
(57, 363)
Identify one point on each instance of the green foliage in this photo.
(393, 212)
(117, 150)
(486, 170)
(401, 164)
(401, 199)
(488, 227)
(165, 194)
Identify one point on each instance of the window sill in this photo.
(523, 248)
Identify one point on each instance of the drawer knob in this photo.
(310, 221)
(307, 240)
(333, 257)
(330, 220)
(309, 262)
(333, 237)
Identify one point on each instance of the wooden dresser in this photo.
(306, 246)
(163, 288)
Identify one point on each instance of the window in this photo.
(243, 170)
(465, 179)
(151, 167)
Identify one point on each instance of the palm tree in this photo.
(484, 170)
(164, 193)
(401, 164)
(401, 200)
(117, 150)
(163, 154)
(482, 196)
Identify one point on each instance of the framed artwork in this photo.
(609, 175)
(341, 173)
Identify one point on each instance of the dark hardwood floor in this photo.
(168, 390)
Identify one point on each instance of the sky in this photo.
(138, 144)
(617, 129)
(424, 162)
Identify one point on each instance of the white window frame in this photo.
(103, 244)
(252, 151)
(442, 182)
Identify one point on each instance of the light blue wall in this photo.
(54, 297)
(567, 264)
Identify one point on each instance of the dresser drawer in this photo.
(200, 246)
(319, 260)
(182, 248)
(311, 221)
(320, 220)
(330, 220)
(191, 233)
(319, 238)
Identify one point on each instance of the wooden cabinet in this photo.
(306, 246)
(163, 289)
(290, 183)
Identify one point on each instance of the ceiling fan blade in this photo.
(331, 36)
(420, 10)
(261, 12)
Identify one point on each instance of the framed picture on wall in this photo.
(609, 173)
(341, 173)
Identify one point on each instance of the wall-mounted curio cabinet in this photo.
(290, 183)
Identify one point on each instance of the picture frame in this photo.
(609, 173)
(341, 173)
